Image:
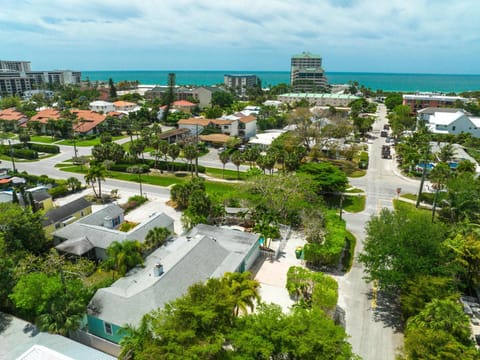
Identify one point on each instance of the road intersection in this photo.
(370, 322)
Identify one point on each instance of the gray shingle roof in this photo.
(206, 252)
(91, 228)
(77, 246)
(64, 212)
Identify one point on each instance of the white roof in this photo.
(101, 103)
(266, 138)
(475, 121)
(445, 118)
(438, 97)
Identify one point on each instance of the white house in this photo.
(197, 125)
(449, 121)
(101, 106)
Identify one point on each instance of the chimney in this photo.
(157, 270)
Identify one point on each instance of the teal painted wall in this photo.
(97, 327)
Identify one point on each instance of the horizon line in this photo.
(285, 71)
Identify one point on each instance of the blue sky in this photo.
(419, 36)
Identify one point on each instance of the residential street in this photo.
(370, 322)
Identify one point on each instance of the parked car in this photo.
(384, 133)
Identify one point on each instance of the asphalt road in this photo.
(371, 322)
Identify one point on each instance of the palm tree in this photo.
(224, 158)
(96, 173)
(237, 159)
(156, 237)
(163, 147)
(244, 290)
(190, 153)
(73, 184)
(173, 152)
(137, 170)
(133, 339)
(122, 256)
(466, 166)
(446, 153)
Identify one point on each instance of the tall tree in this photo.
(236, 158)
(244, 290)
(224, 159)
(173, 152)
(55, 303)
(96, 174)
(112, 89)
(401, 245)
(190, 153)
(22, 229)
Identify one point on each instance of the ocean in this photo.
(374, 81)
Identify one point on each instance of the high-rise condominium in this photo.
(306, 74)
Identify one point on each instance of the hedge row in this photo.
(44, 148)
(161, 165)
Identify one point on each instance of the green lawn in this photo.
(409, 196)
(91, 142)
(43, 139)
(354, 204)
(354, 191)
(357, 173)
(229, 174)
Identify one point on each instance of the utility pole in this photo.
(11, 156)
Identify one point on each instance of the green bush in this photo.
(25, 154)
(45, 148)
(161, 165)
(329, 253)
(59, 191)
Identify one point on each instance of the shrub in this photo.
(25, 154)
(45, 148)
(133, 202)
(58, 191)
(329, 253)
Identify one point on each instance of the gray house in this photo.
(205, 252)
(91, 235)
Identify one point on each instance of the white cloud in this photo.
(224, 30)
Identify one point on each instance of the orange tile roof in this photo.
(215, 138)
(11, 115)
(247, 119)
(183, 103)
(44, 115)
(204, 122)
(121, 103)
(87, 120)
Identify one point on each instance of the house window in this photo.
(116, 221)
(453, 128)
(108, 328)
